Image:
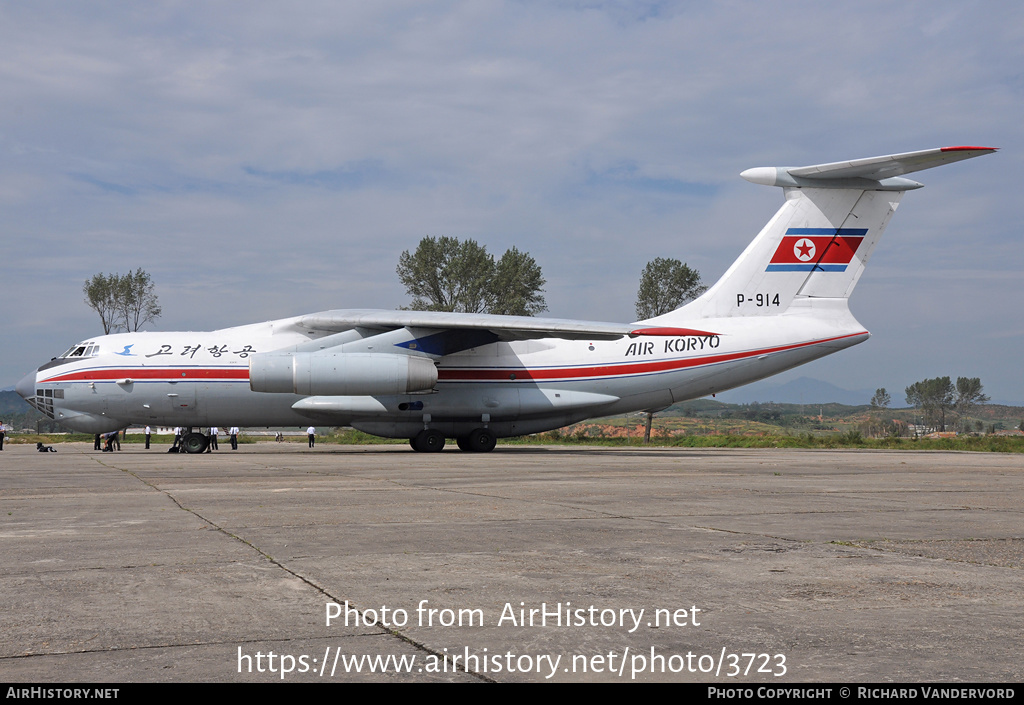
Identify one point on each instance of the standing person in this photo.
(234, 437)
(117, 439)
(3, 432)
(148, 432)
(311, 432)
(213, 439)
(96, 443)
(177, 436)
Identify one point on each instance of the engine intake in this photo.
(340, 374)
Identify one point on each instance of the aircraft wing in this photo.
(504, 328)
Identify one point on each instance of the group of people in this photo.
(113, 439)
(211, 438)
(109, 442)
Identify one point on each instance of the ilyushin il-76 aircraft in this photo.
(431, 376)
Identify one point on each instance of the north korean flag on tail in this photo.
(816, 249)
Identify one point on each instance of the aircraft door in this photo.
(176, 404)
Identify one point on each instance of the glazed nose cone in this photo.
(27, 386)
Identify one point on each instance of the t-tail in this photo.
(818, 243)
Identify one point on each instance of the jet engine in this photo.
(340, 374)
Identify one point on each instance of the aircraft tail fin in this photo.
(818, 243)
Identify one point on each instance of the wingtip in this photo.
(964, 148)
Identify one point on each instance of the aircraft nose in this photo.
(27, 386)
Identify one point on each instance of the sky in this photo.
(263, 160)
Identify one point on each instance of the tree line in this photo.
(441, 274)
(937, 396)
(447, 274)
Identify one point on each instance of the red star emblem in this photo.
(803, 249)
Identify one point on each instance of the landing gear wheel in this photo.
(479, 440)
(482, 440)
(194, 443)
(429, 440)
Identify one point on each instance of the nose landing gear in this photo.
(194, 442)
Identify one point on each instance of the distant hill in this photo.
(803, 390)
(11, 403)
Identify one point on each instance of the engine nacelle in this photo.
(340, 374)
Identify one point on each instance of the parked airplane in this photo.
(429, 376)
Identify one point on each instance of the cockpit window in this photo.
(82, 350)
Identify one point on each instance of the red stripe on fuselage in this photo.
(447, 374)
(171, 374)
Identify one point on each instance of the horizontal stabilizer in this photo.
(880, 172)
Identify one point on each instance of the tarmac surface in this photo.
(750, 566)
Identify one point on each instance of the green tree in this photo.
(934, 397)
(102, 295)
(881, 399)
(968, 394)
(446, 274)
(517, 285)
(139, 304)
(665, 285)
(123, 302)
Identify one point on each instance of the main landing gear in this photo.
(429, 440)
(480, 440)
